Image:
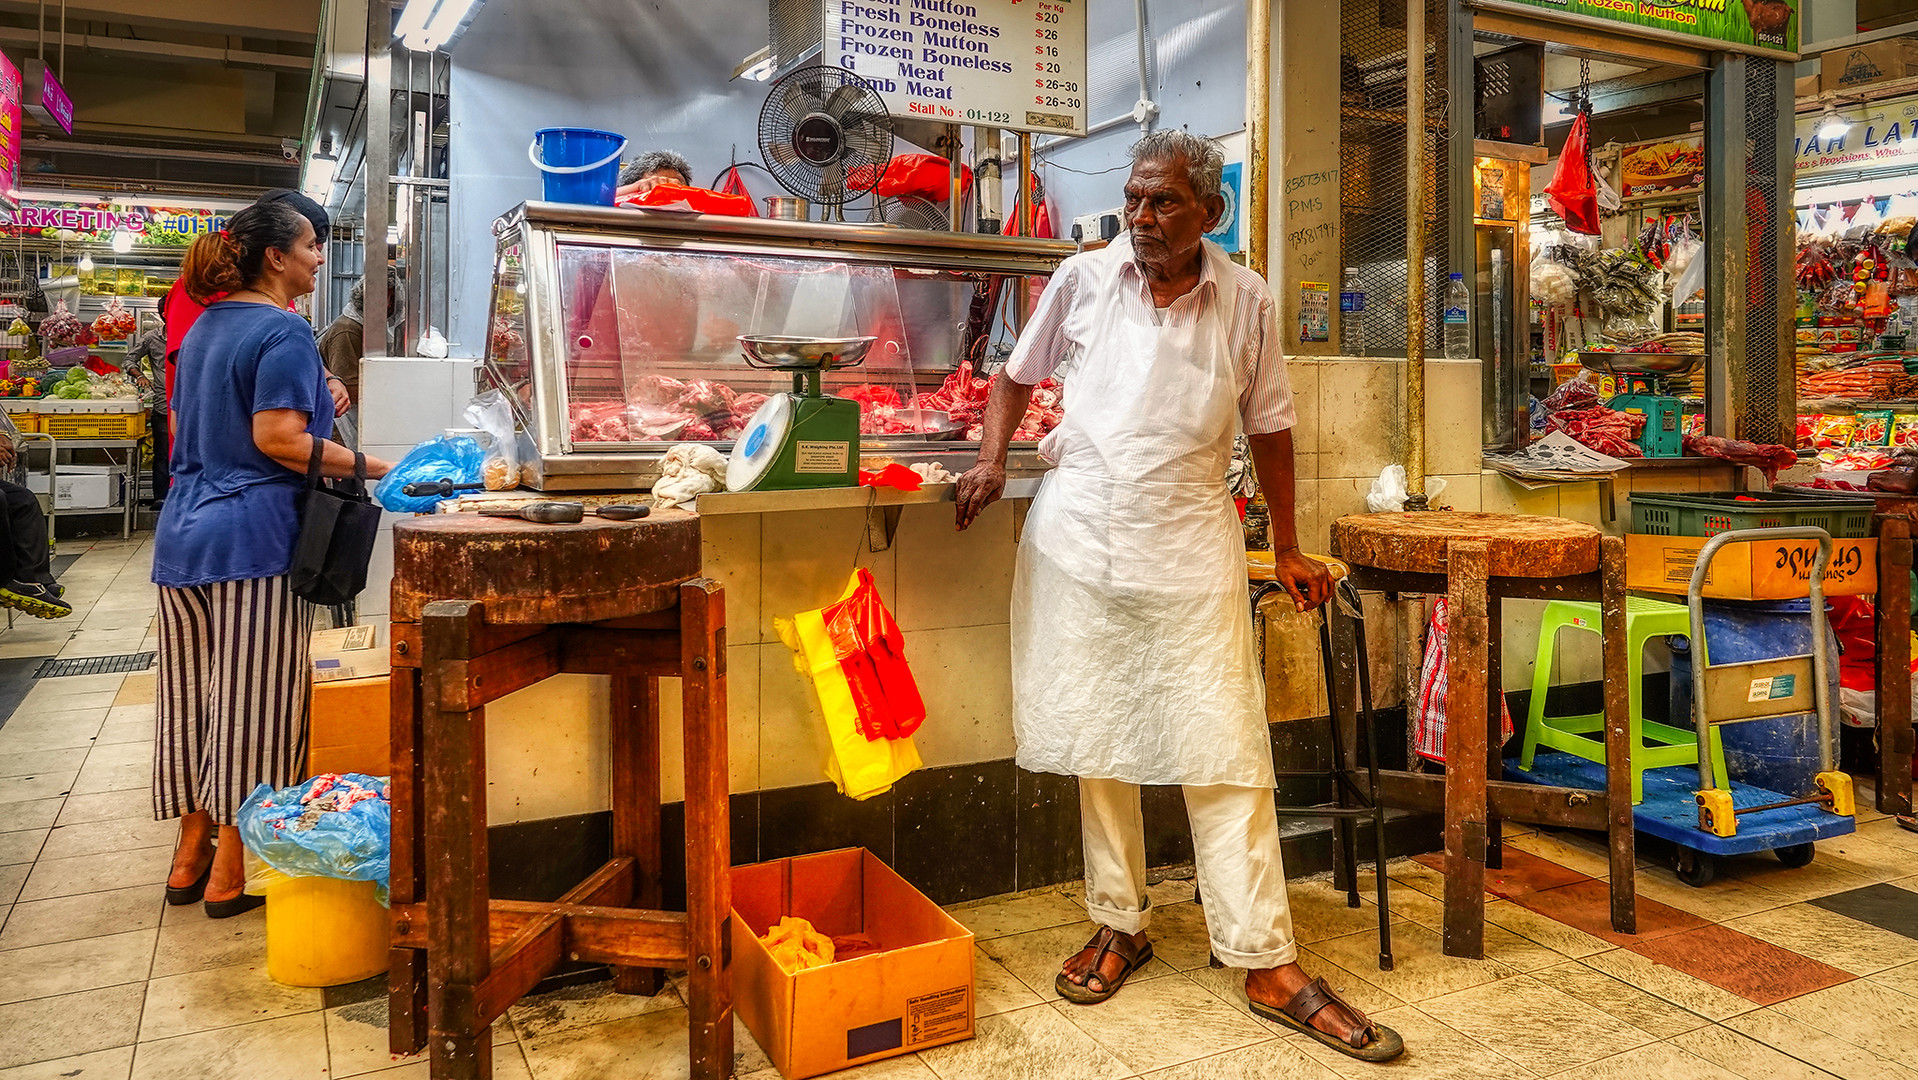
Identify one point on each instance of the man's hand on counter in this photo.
(1304, 579)
(979, 487)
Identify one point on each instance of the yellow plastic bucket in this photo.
(323, 931)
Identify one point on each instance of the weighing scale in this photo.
(1642, 374)
(805, 439)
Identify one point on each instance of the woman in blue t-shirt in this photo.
(233, 682)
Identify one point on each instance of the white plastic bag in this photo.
(688, 471)
(1389, 491)
(1689, 278)
(491, 413)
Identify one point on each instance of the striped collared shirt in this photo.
(1094, 288)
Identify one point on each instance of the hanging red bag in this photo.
(925, 176)
(732, 184)
(1573, 192)
(872, 654)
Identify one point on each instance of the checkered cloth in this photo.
(1428, 721)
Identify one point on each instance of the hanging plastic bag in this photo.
(670, 196)
(1573, 192)
(852, 650)
(1428, 722)
(1687, 269)
(457, 458)
(491, 413)
(733, 184)
(336, 825)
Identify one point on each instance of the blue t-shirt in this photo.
(231, 512)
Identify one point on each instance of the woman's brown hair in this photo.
(235, 257)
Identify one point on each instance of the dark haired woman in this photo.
(233, 679)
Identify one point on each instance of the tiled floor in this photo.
(1767, 974)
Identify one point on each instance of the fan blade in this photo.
(782, 154)
(844, 97)
(798, 96)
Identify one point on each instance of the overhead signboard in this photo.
(1882, 135)
(45, 98)
(1756, 26)
(9, 132)
(1014, 64)
(96, 222)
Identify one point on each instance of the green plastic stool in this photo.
(1644, 619)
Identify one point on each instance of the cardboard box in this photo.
(914, 993)
(351, 728)
(1878, 62)
(350, 652)
(1773, 570)
(81, 487)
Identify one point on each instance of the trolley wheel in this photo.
(1695, 868)
(1795, 855)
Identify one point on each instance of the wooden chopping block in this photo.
(1521, 545)
(544, 574)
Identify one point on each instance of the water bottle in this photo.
(1458, 326)
(1352, 314)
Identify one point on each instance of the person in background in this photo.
(343, 344)
(179, 308)
(253, 407)
(638, 176)
(145, 365)
(1132, 646)
(26, 556)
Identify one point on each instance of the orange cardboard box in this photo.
(915, 992)
(1772, 570)
(351, 729)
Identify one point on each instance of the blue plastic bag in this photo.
(337, 825)
(444, 457)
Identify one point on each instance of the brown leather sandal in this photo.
(1376, 1042)
(1107, 940)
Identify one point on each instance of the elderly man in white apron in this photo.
(1132, 658)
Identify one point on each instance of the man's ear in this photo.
(1214, 210)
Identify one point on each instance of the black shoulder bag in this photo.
(339, 525)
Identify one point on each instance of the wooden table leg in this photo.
(1616, 664)
(1895, 745)
(458, 944)
(635, 797)
(702, 608)
(1466, 666)
(406, 968)
(1494, 722)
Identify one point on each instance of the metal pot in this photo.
(788, 208)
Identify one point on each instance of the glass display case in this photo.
(615, 332)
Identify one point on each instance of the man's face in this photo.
(1165, 215)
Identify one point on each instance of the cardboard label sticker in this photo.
(820, 457)
(939, 1015)
(1772, 688)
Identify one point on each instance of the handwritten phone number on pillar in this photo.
(1056, 102)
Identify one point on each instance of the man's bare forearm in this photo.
(1272, 462)
(1005, 406)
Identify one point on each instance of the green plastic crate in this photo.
(1709, 513)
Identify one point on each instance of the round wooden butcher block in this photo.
(526, 572)
(1522, 545)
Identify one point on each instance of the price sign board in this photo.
(1013, 64)
(9, 132)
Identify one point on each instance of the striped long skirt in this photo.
(233, 695)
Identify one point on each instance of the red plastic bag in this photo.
(696, 200)
(732, 184)
(1573, 192)
(872, 654)
(927, 176)
(1428, 720)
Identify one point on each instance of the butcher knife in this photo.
(545, 512)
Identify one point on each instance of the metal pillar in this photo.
(1727, 243)
(1460, 71)
(378, 162)
(1416, 226)
(1258, 130)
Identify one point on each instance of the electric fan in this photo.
(825, 135)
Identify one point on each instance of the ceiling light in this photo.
(758, 67)
(122, 241)
(425, 25)
(1831, 125)
(86, 264)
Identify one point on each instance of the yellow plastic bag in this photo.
(859, 767)
(796, 946)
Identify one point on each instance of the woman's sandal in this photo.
(1379, 1043)
(180, 896)
(1107, 940)
(239, 905)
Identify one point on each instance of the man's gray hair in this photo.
(1204, 158)
(653, 161)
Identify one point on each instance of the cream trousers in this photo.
(1235, 840)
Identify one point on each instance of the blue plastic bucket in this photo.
(1780, 754)
(579, 165)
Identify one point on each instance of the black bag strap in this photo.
(313, 466)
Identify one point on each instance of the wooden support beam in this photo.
(1894, 665)
(629, 653)
(404, 640)
(1466, 696)
(519, 964)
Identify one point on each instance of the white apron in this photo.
(1132, 652)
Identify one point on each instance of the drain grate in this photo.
(95, 665)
